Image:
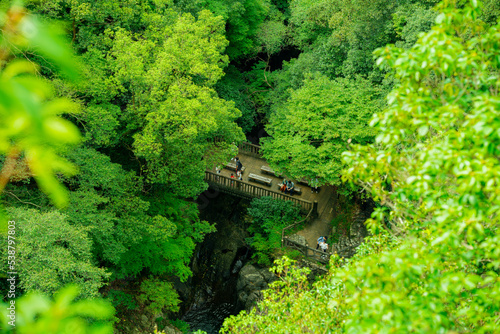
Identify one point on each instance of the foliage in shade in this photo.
(242, 17)
(232, 88)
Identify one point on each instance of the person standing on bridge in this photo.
(218, 169)
(314, 183)
(239, 165)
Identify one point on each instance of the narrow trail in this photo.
(321, 225)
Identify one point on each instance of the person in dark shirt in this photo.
(239, 165)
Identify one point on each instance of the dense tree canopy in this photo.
(52, 253)
(140, 62)
(118, 137)
(432, 264)
(309, 135)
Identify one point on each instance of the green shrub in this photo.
(269, 217)
(181, 325)
(267, 208)
(37, 313)
(121, 299)
(159, 296)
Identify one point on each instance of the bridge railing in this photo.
(310, 253)
(306, 219)
(250, 149)
(248, 190)
(316, 254)
(245, 147)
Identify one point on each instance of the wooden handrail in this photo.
(250, 145)
(309, 215)
(246, 147)
(250, 149)
(309, 252)
(246, 190)
(315, 254)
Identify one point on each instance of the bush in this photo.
(122, 299)
(159, 296)
(269, 217)
(181, 325)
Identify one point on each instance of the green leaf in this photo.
(422, 131)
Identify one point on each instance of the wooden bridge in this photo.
(318, 207)
(246, 190)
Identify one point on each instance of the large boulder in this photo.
(251, 282)
(301, 240)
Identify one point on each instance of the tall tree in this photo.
(312, 130)
(186, 119)
(52, 253)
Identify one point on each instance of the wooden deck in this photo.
(253, 165)
(322, 204)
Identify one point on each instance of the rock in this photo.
(237, 266)
(268, 276)
(215, 268)
(171, 330)
(298, 239)
(347, 245)
(242, 296)
(251, 282)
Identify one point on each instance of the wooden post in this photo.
(315, 208)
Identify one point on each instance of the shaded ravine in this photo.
(210, 295)
(215, 290)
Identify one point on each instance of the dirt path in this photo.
(321, 225)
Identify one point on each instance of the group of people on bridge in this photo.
(239, 169)
(239, 166)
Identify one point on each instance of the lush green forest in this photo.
(111, 111)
